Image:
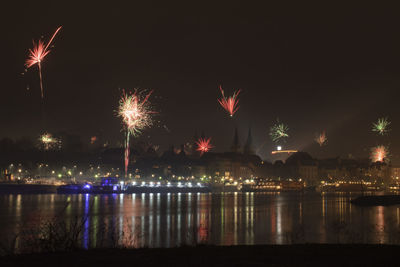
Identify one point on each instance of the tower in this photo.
(235, 145)
(248, 147)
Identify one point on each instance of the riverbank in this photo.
(262, 255)
(27, 189)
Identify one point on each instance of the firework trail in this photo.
(379, 154)
(230, 104)
(203, 145)
(321, 138)
(381, 126)
(278, 131)
(136, 116)
(36, 56)
(126, 154)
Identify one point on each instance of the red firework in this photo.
(203, 145)
(230, 104)
(37, 54)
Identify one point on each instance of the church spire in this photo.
(235, 145)
(248, 148)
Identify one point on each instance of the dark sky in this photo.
(315, 66)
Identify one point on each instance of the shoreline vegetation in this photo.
(207, 255)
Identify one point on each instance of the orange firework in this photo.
(321, 138)
(204, 145)
(230, 104)
(379, 154)
(36, 56)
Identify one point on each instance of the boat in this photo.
(274, 186)
(115, 186)
(348, 187)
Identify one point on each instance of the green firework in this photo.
(381, 126)
(279, 131)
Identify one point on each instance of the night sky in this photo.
(313, 66)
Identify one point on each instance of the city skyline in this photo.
(312, 72)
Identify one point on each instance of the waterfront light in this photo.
(87, 186)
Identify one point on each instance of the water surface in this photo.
(166, 220)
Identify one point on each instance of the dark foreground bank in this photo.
(268, 255)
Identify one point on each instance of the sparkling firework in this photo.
(279, 132)
(203, 145)
(36, 56)
(135, 112)
(47, 141)
(136, 116)
(379, 154)
(321, 138)
(381, 126)
(230, 104)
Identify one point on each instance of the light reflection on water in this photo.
(165, 220)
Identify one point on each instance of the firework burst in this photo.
(47, 141)
(203, 145)
(321, 138)
(135, 112)
(230, 104)
(36, 56)
(381, 126)
(379, 154)
(279, 131)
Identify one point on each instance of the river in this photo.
(168, 220)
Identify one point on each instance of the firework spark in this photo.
(36, 56)
(47, 141)
(381, 126)
(136, 116)
(379, 154)
(279, 132)
(321, 138)
(135, 112)
(203, 145)
(230, 104)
